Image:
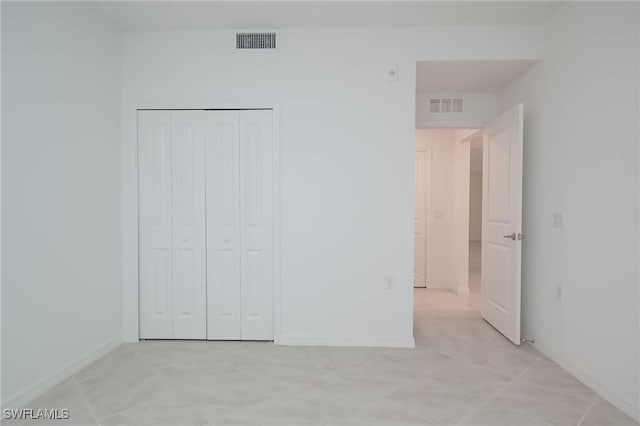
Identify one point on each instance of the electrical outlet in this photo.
(389, 283)
(557, 220)
(558, 292)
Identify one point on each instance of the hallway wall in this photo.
(475, 206)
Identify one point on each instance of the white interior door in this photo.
(223, 225)
(421, 186)
(502, 222)
(155, 264)
(239, 158)
(206, 262)
(256, 223)
(172, 278)
(188, 207)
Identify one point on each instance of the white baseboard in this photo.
(463, 290)
(628, 407)
(27, 395)
(441, 286)
(376, 342)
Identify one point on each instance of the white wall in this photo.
(581, 159)
(347, 140)
(61, 291)
(475, 206)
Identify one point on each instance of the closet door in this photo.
(188, 207)
(154, 192)
(223, 226)
(172, 277)
(239, 152)
(256, 223)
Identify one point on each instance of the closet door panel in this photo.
(155, 219)
(256, 223)
(189, 248)
(223, 230)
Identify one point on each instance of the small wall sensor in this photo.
(392, 74)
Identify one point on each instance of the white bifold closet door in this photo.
(172, 258)
(239, 194)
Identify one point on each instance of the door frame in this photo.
(462, 205)
(129, 206)
(427, 214)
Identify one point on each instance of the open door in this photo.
(502, 222)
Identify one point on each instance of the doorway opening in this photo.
(468, 191)
(475, 215)
(448, 217)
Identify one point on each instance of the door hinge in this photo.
(521, 236)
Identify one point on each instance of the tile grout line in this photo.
(153, 372)
(529, 416)
(588, 410)
(140, 357)
(488, 400)
(259, 380)
(410, 411)
(559, 391)
(487, 367)
(430, 420)
(86, 401)
(115, 413)
(154, 369)
(543, 358)
(521, 414)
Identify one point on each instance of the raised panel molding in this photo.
(222, 153)
(171, 225)
(132, 229)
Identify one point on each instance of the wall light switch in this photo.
(557, 219)
(437, 214)
(389, 283)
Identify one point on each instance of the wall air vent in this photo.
(253, 40)
(445, 105)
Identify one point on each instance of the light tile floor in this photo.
(461, 372)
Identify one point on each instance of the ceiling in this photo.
(468, 76)
(186, 15)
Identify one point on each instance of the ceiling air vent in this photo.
(445, 105)
(251, 40)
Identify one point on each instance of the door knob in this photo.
(512, 236)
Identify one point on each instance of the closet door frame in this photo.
(130, 204)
